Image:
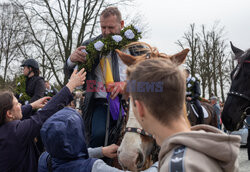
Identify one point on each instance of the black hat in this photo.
(30, 62)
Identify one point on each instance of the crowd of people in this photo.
(74, 142)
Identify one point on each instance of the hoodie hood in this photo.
(63, 135)
(209, 141)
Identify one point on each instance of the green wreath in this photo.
(21, 89)
(103, 46)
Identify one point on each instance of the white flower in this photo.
(189, 85)
(137, 29)
(129, 34)
(117, 38)
(98, 45)
(20, 95)
(83, 50)
(193, 78)
(18, 83)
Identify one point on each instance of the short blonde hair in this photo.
(112, 11)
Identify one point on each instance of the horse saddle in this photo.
(194, 108)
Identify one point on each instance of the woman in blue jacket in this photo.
(17, 149)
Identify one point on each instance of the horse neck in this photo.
(132, 121)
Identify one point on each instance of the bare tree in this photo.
(12, 37)
(191, 40)
(207, 59)
(59, 26)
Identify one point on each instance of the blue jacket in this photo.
(17, 149)
(64, 140)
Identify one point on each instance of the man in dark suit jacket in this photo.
(95, 106)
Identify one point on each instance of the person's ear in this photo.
(140, 108)
(122, 23)
(9, 115)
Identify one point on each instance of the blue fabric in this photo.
(17, 149)
(63, 138)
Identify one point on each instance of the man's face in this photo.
(110, 25)
(213, 101)
(16, 110)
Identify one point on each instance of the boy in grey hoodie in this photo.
(199, 148)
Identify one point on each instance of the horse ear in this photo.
(180, 57)
(238, 52)
(126, 58)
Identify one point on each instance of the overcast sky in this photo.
(169, 19)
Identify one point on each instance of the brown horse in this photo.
(210, 117)
(137, 145)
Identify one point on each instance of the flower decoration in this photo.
(117, 38)
(20, 90)
(138, 29)
(98, 45)
(129, 34)
(103, 46)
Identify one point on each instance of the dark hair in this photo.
(112, 11)
(36, 71)
(6, 103)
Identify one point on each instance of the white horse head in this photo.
(135, 148)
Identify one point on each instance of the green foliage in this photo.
(109, 45)
(21, 89)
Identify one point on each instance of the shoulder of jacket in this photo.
(175, 159)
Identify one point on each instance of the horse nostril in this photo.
(118, 152)
(140, 160)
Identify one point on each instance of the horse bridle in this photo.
(138, 131)
(234, 93)
(244, 114)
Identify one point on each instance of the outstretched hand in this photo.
(76, 79)
(110, 151)
(40, 103)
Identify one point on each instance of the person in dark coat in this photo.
(193, 93)
(35, 87)
(17, 149)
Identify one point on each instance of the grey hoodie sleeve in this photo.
(95, 152)
(101, 166)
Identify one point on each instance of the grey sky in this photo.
(169, 19)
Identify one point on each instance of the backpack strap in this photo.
(177, 160)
